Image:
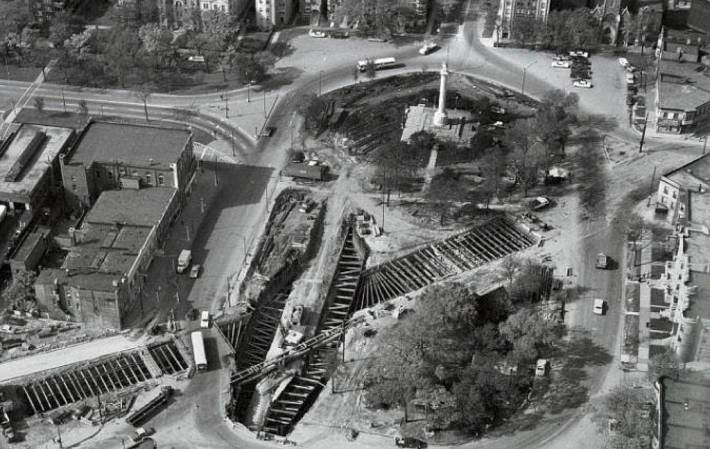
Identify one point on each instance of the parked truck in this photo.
(184, 260)
(602, 261)
(148, 410)
(305, 170)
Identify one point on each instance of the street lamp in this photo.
(320, 83)
(225, 97)
(525, 69)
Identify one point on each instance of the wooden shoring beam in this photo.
(66, 387)
(29, 398)
(101, 378)
(59, 389)
(77, 385)
(39, 399)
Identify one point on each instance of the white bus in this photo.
(198, 350)
(381, 63)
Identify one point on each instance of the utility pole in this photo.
(643, 133)
(264, 104)
(384, 181)
(650, 188)
(225, 97)
(202, 204)
(705, 143)
(59, 438)
(187, 232)
(248, 89)
(320, 82)
(64, 101)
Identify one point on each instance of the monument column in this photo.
(440, 114)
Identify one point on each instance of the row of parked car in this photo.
(632, 84)
(579, 65)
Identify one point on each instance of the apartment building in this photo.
(274, 13)
(512, 10)
(699, 16)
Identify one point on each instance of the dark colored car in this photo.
(409, 442)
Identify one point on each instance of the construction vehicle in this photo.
(305, 170)
(148, 410)
(602, 261)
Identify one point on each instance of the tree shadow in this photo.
(279, 78)
(599, 122)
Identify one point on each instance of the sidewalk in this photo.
(162, 290)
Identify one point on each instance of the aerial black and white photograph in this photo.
(354, 224)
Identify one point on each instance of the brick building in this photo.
(109, 156)
(104, 272)
(682, 88)
(512, 10)
(699, 16)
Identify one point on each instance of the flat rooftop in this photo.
(21, 168)
(693, 174)
(129, 144)
(113, 233)
(144, 207)
(82, 352)
(686, 416)
(421, 118)
(683, 86)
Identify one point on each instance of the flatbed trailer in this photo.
(148, 410)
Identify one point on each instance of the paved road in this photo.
(219, 249)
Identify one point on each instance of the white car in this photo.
(583, 83)
(314, 33)
(623, 62)
(428, 48)
(583, 54)
(599, 305)
(204, 319)
(561, 64)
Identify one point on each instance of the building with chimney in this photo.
(110, 156)
(450, 125)
(104, 272)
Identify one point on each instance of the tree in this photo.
(635, 226)
(665, 363)
(156, 42)
(530, 283)
(144, 92)
(557, 112)
(510, 266)
(370, 69)
(628, 409)
(83, 108)
(444, 189)
(393, 162)
(492, 166)
(528, 333)
(20, 291)
(251, 68)
(219, 27)
(313, 109)
(64, 24)
(525, 155)
(14, 16)
(39, 104)
(120, 53)
(524, 30)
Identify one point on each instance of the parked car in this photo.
(629, 99)
(624, 62)
(540, 202)
(409, 442)
(318, 34)
(599, 306)
(561, 64)
(204, 319)
(141, 433)
(429, 47)
(195, 271)
(581, 53)
(583, 83)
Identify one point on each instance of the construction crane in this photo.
(266, 367)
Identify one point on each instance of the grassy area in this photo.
(19, 73)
